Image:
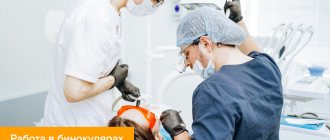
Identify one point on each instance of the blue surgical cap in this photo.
(208, 21)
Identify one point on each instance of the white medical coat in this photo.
(88, 48)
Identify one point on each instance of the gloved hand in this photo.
(127, 89)
(172, 122)
(235, 10)
(119, 72)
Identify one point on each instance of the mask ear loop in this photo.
(202, 49)
(199, 56)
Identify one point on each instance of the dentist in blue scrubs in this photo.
(241, 96)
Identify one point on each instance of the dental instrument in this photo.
(285, 42)
(284, 36)
(274, 33)
(307, 34)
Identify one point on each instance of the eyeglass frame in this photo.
(148, 115)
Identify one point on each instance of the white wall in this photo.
(25, 50)
(163, 32)
(269, 13)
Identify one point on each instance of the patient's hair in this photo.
(140, 133)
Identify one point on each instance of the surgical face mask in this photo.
(143, 9)
(198, 67)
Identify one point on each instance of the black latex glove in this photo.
(235, 10)
(119, 72)
(172, 122)
(127, 89)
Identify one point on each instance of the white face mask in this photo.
(143, 9)
(198, 67)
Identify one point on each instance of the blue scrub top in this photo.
(239, 102)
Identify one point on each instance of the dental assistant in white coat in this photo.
(85, 66)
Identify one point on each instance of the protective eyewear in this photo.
(149, 116)
(181, 66)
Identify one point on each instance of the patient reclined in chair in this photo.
(144, 119)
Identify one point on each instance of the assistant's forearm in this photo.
(76, 90)
(100, 86)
